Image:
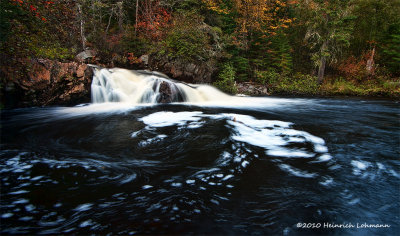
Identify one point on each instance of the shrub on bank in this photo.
(226, 79)
(379, 87)
(280, 84)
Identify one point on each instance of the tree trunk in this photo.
(109, 19)
(321, 70)
(136, 16)
(120, 16)
(322, 63)
(371, 63)
(82, 27)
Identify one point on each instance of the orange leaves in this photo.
(114, 40)
(262, 16)
(215, 5)
(152, 19)
(132, 59)
(355, 68)
(36, 8)
(32, 8)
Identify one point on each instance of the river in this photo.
(264, 166)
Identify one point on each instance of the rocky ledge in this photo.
(47, 82)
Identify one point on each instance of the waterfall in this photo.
(121, 85)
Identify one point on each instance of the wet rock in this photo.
(253, 89)
(165, 91)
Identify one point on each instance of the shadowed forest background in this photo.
(311, 47)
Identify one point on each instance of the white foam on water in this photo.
(163, 119)
(21, 201)
(362, 165)
(6, 215)
(354, 201)
(30, 207)
(296, 172)
(284, 152)
(320, 148)
(275, 136)
(327, 181)
(86, 223)
(325, 157)
(135, 134)
(95, 108)
(359, 166)
(84, 207)
(146, 186)
(176, 184)
(18, 192)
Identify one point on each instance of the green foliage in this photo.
(383, 86)
(242, 68)
(190, 32)
(329, 28)
(186, 41)
(226, 79)
(375, 18)
(298, 84)
(54, 52)
(280, 54)
(135, 43)
(7, 13)
(267, 77)
(392, 53)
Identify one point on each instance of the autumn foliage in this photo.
(356, 40)
(153, 19)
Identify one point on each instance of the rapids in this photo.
(207, 163)
(121, 85)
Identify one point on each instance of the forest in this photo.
(300, 47)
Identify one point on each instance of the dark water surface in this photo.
(186, 169)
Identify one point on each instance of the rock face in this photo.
(182, 71)
(49, 82)
(252, 89)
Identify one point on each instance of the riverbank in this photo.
(307, 86)
(44, 82)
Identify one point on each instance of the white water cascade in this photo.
(121, 85)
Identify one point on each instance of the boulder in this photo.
(252, 89)
(144, 59)
(82, 56)
(165, 91)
